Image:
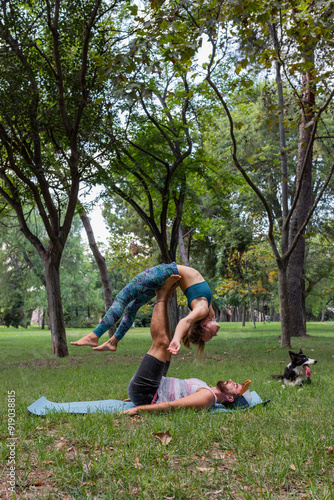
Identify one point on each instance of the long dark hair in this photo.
(194, 336)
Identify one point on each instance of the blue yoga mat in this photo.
(42, 406)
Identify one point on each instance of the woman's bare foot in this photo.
(91, 340)
(110, 345)
(169, 285)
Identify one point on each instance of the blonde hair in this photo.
(194, 336)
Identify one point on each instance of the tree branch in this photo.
(243, 172)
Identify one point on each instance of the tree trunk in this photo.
(244, 314)
(56, 319)
(290, 277)
(284, 306)
(304, 184)
(173, 313)
(273, 316)
(101, 264)
(251, 307)
(303, 286)
(169, 256)
(183, 251)
(294, 290)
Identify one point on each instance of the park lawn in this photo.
(281, 451)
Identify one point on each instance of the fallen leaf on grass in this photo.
(136, 418)
(205, 469)
(86, 467)
(217, 455)
(61, 442)
(138, 464)
(330, 449)
(164, 437)
(292, 466)
(38, 484)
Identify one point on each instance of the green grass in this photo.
(281, 451)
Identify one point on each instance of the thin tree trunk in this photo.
(303, 287)
(244, 314)
(273, 316)
(284, 307)
(251, 306)
(169, 256)
(182, 247)
(101, 264)
(173, 312)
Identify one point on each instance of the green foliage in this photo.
(318, 275)
(234, 75)
(50, 104)
(129, 256)
(22, 285)
(80, 283)
(157, 164)
(250, 273)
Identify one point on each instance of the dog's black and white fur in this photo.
(297, 371)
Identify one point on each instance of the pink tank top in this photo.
(171, 388)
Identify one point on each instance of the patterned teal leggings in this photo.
(139, 291)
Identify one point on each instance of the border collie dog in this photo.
(297, 371)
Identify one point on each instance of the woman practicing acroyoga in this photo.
(198, 327)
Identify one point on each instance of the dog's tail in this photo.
(277, 377)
